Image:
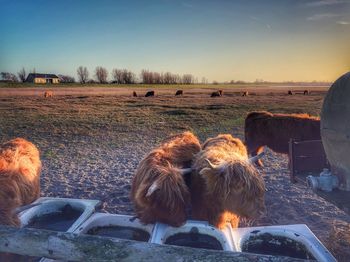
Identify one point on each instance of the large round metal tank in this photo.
(335, 129)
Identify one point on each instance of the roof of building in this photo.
(42, 75)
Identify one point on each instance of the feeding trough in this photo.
(296, 241)
(195, 234)
(118, 226)
(58, 214)
(335, 129)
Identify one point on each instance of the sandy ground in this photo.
(101, 166)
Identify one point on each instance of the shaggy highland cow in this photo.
(48, 94)
(149, 93)
(20, 168)
(159, 191)
(275, 131)
(179, 93)
(216, 93)
(224, 184)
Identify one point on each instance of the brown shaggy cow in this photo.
(159, 191)
(306, 92)
(20, 168)
(275, 131)
(48, 94)
(290, 92)
(179, 93)
(134, 94)
(224, 184)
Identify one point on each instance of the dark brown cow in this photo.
(149, 93)
(224, 184)
(306, 92)
(290, 92)
(246, 93)
(216, 93)
(275, 131)
(179, 93)
(134, 94)
(159, 191)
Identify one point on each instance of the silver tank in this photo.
(335, 129)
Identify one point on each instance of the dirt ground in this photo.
(92, 139)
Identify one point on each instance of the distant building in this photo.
(43, 78)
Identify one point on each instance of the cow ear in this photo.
(151, 189)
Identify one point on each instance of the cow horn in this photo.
(185, 171)
(151, 189)
(211, 165)
(22, 208)
(254, 159)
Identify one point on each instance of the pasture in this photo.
(91, 140)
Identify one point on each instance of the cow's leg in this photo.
(257, 152)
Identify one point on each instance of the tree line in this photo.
(117, 76)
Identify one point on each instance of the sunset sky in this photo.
(300, 40)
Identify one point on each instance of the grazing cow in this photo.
(245, 93)
(306, 92)
(179, 93)
(149, 93)
(134, 94)
(290, 92)
(275, 131)
(48, 94)
(159, 191)
(216, 93)
(20, 168)
(224, 184)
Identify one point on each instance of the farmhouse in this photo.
(42, 78)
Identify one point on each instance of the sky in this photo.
(282, 40)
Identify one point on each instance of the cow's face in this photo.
(168, 197)
(238, 187)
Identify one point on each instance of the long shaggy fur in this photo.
(229, 189)
(20, 168)
(162, 166)
(275, 130)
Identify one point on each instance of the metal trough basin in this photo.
(58, 214)
(117, 226)
(295, 241)
(195, 234)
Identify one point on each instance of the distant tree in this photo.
(66, 79)
(101, 74)
(117, 75)
(123, 76)
(83, 74)
(22, 75)
(6, 76)
(187, 79)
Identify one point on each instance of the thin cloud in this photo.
(343, 23)
(318, 17)
(258, 20)
(325, 3)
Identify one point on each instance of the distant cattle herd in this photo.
(218, 93)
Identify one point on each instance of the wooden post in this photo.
(74, 247)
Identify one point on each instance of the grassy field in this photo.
(91, 113)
